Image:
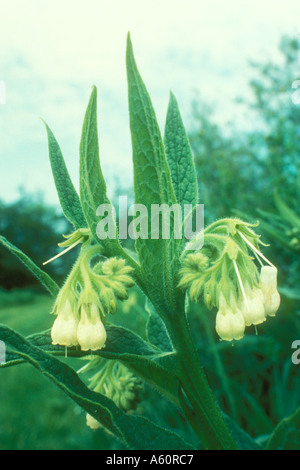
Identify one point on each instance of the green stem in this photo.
(211, 429)
(214, 433)
(219, 366)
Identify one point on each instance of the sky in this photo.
(52, 52)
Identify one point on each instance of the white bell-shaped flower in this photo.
(230, 323)
(252, 307)
(91, 333)
(268, 285)
(64, 329)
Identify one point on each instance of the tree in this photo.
(240, 169)
(36, 228)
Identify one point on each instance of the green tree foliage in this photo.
(244, 167)
(277, 109)
(222, 160)
(36, 228)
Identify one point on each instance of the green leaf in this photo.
(120, 342)
(63, 376)
(287, 213)
(156, 368)
(137, 432)
(243, 439)
(92, 184)
(152, 185)
(43, 277)
(67, 194)
(179, 157)
(275, 234)
(156, 330)
(190, 413)
(286, 435)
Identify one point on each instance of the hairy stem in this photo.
(212, 430)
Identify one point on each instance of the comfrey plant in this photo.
(229, 272)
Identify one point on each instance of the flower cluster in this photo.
(226, 274)
(89, 294)
(115, 381)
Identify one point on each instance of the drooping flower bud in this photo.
(92, 423)
(64, 329)
(116, 382)
(117, 276)
(268, 284)
(194, 266)
(230, 323)
(108, 299)
(91, 334)
(252, 307)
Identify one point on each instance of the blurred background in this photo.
(233, 67)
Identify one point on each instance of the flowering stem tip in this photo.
(226, 274)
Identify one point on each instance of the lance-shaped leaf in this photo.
(286, 435)
(153, 366)
(275, 234)
(243, 439)
(153, 187)
(92, 184)
(285, 212)
(137, 432)
(43, 277)
(68, 197)
(179, 157)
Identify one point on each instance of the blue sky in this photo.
(52, 52)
